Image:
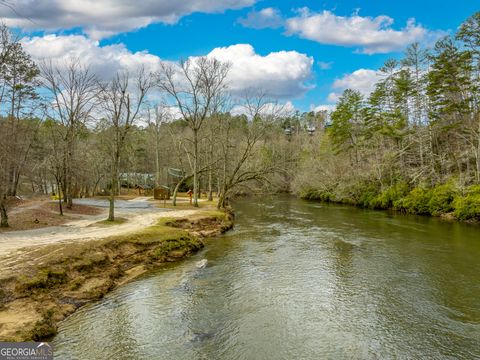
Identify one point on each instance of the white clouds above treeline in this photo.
(103, 18)
(362, 80)
(370, 35)
(282, 74)
(105, 61)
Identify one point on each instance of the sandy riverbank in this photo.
(48, 273)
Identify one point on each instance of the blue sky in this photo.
(346, 39)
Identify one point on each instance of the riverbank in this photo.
(54, 280)
(448, 201)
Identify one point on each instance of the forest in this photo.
(412, 145)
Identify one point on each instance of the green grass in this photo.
(117, 221)
(45, 279)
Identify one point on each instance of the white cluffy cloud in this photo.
(267, 109)
(105, 61)
(281, 74)
(325, 107)
(102, 18)
(371, 34)
(265, 18)
(362, 80)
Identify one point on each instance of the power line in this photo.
(11, 7)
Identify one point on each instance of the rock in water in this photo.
(201, 264)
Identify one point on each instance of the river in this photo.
(298, 280)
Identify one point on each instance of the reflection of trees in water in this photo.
(343, 259)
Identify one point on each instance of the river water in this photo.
(298, 280)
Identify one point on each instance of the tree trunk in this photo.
(221, 201)
(111, 208)
(65, 178)
(222, 198)
(70, 197)
(3, 213)
(210, 172)
(478, 150)
(157, 160)
(11, 181)
(195, 167)
(210, 185)
(60, 207)
(175, 191)
(177, 187)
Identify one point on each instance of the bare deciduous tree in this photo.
(243, 165)
(122, 100)
(193, 86)
(73, 89)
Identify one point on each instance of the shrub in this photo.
(363, 193)
(366, 198)
(388, 197)
(314, 194)
(441, 200)
(468, 206)
(416, 202)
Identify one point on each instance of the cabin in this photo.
(161, 193)
(143, 188)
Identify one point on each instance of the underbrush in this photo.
(467, 206)
(448, 198)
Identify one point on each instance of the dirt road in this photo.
(139, 213)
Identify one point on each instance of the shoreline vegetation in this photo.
(58, 279)
(412, 144)
(448, 201)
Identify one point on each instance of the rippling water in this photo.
(298, 280)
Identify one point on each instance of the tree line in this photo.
(66, 131)
(414, 143)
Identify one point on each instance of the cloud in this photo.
(325, 65)
(268, 109)
(324, 107)
(103, 18)
(371, 34)
(105, 61)
(362, 80)
(265, 18)
(282, 74)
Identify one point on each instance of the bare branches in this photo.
(196, 87)
(122, 100)
(73, 87)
